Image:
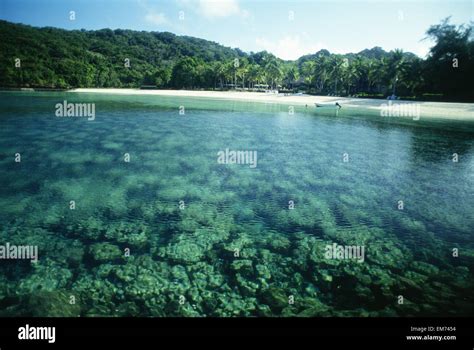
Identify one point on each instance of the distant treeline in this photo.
(56, 58)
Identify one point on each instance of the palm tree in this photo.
(254, 75)
(380, 75)
(337, 63)
(242, 73)
(396, 67)
(321, 72)
(291, 76)
(371, 67)
(273, 72)
(221, 73)
(414, 68)
(228, 71)
(307, 69)
(352, 74)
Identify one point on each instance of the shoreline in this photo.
(454, 111)
(433, 110)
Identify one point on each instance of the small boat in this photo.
(326, 105)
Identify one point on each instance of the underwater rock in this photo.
(462, 278)
(191, 248)
(91, 228)
(233, 304)
(275, 297)
(143, 278)
(312, 307)
(364, 294)
(412, 225)
(47, 275)
(246, 287)
(317, 255)
(200, 281)
(264, 310)
(388, 253)
(124, 273)
(104, 270)
(145, 286)
(209, 302)
(263, 271)
(208, 273)
(128, 309)
(413, 280)
(179, 275)
(97, 295)
(184, 252)
(54, 304)
(194, 297)
(242, 266)
(105, 252)
(289, 311)
(280, 243)
(171, 194)
(188, 225)
(359, 312)
(311, 290)
(433, 291)
(408, 308)
(188, 310)
(75, 253)
(424, 268)
(243, 245)
(132, 234)
(388, 312)
(327, 278)
(298, 280)
(301, 253)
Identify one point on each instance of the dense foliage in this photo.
(57, 58)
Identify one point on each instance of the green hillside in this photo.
(56, 58)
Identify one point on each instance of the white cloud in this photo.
(212, 9)
(422, 50)
(156, 18)
(219, 8)
(151, 14)
(289, 47)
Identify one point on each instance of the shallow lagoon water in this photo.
(235, 249)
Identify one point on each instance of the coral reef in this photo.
(174, 233)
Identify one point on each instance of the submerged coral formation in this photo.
(175, 233)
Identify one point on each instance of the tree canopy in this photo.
(56, 58)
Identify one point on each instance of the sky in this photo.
(287, 28)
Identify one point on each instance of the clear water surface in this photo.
(235, 249)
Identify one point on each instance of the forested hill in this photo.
(52, 57)
(80, 58)
(56, 58)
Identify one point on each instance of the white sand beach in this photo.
(438, 110)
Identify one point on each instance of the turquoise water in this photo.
(173, 232)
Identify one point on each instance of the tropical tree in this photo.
(321, 72)
(338, 64)
(291, 75)
(449, 67)
(162, 76)
(184, 73)
(308, 71)
(273, 72)
(242, 72)
(396, 67)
